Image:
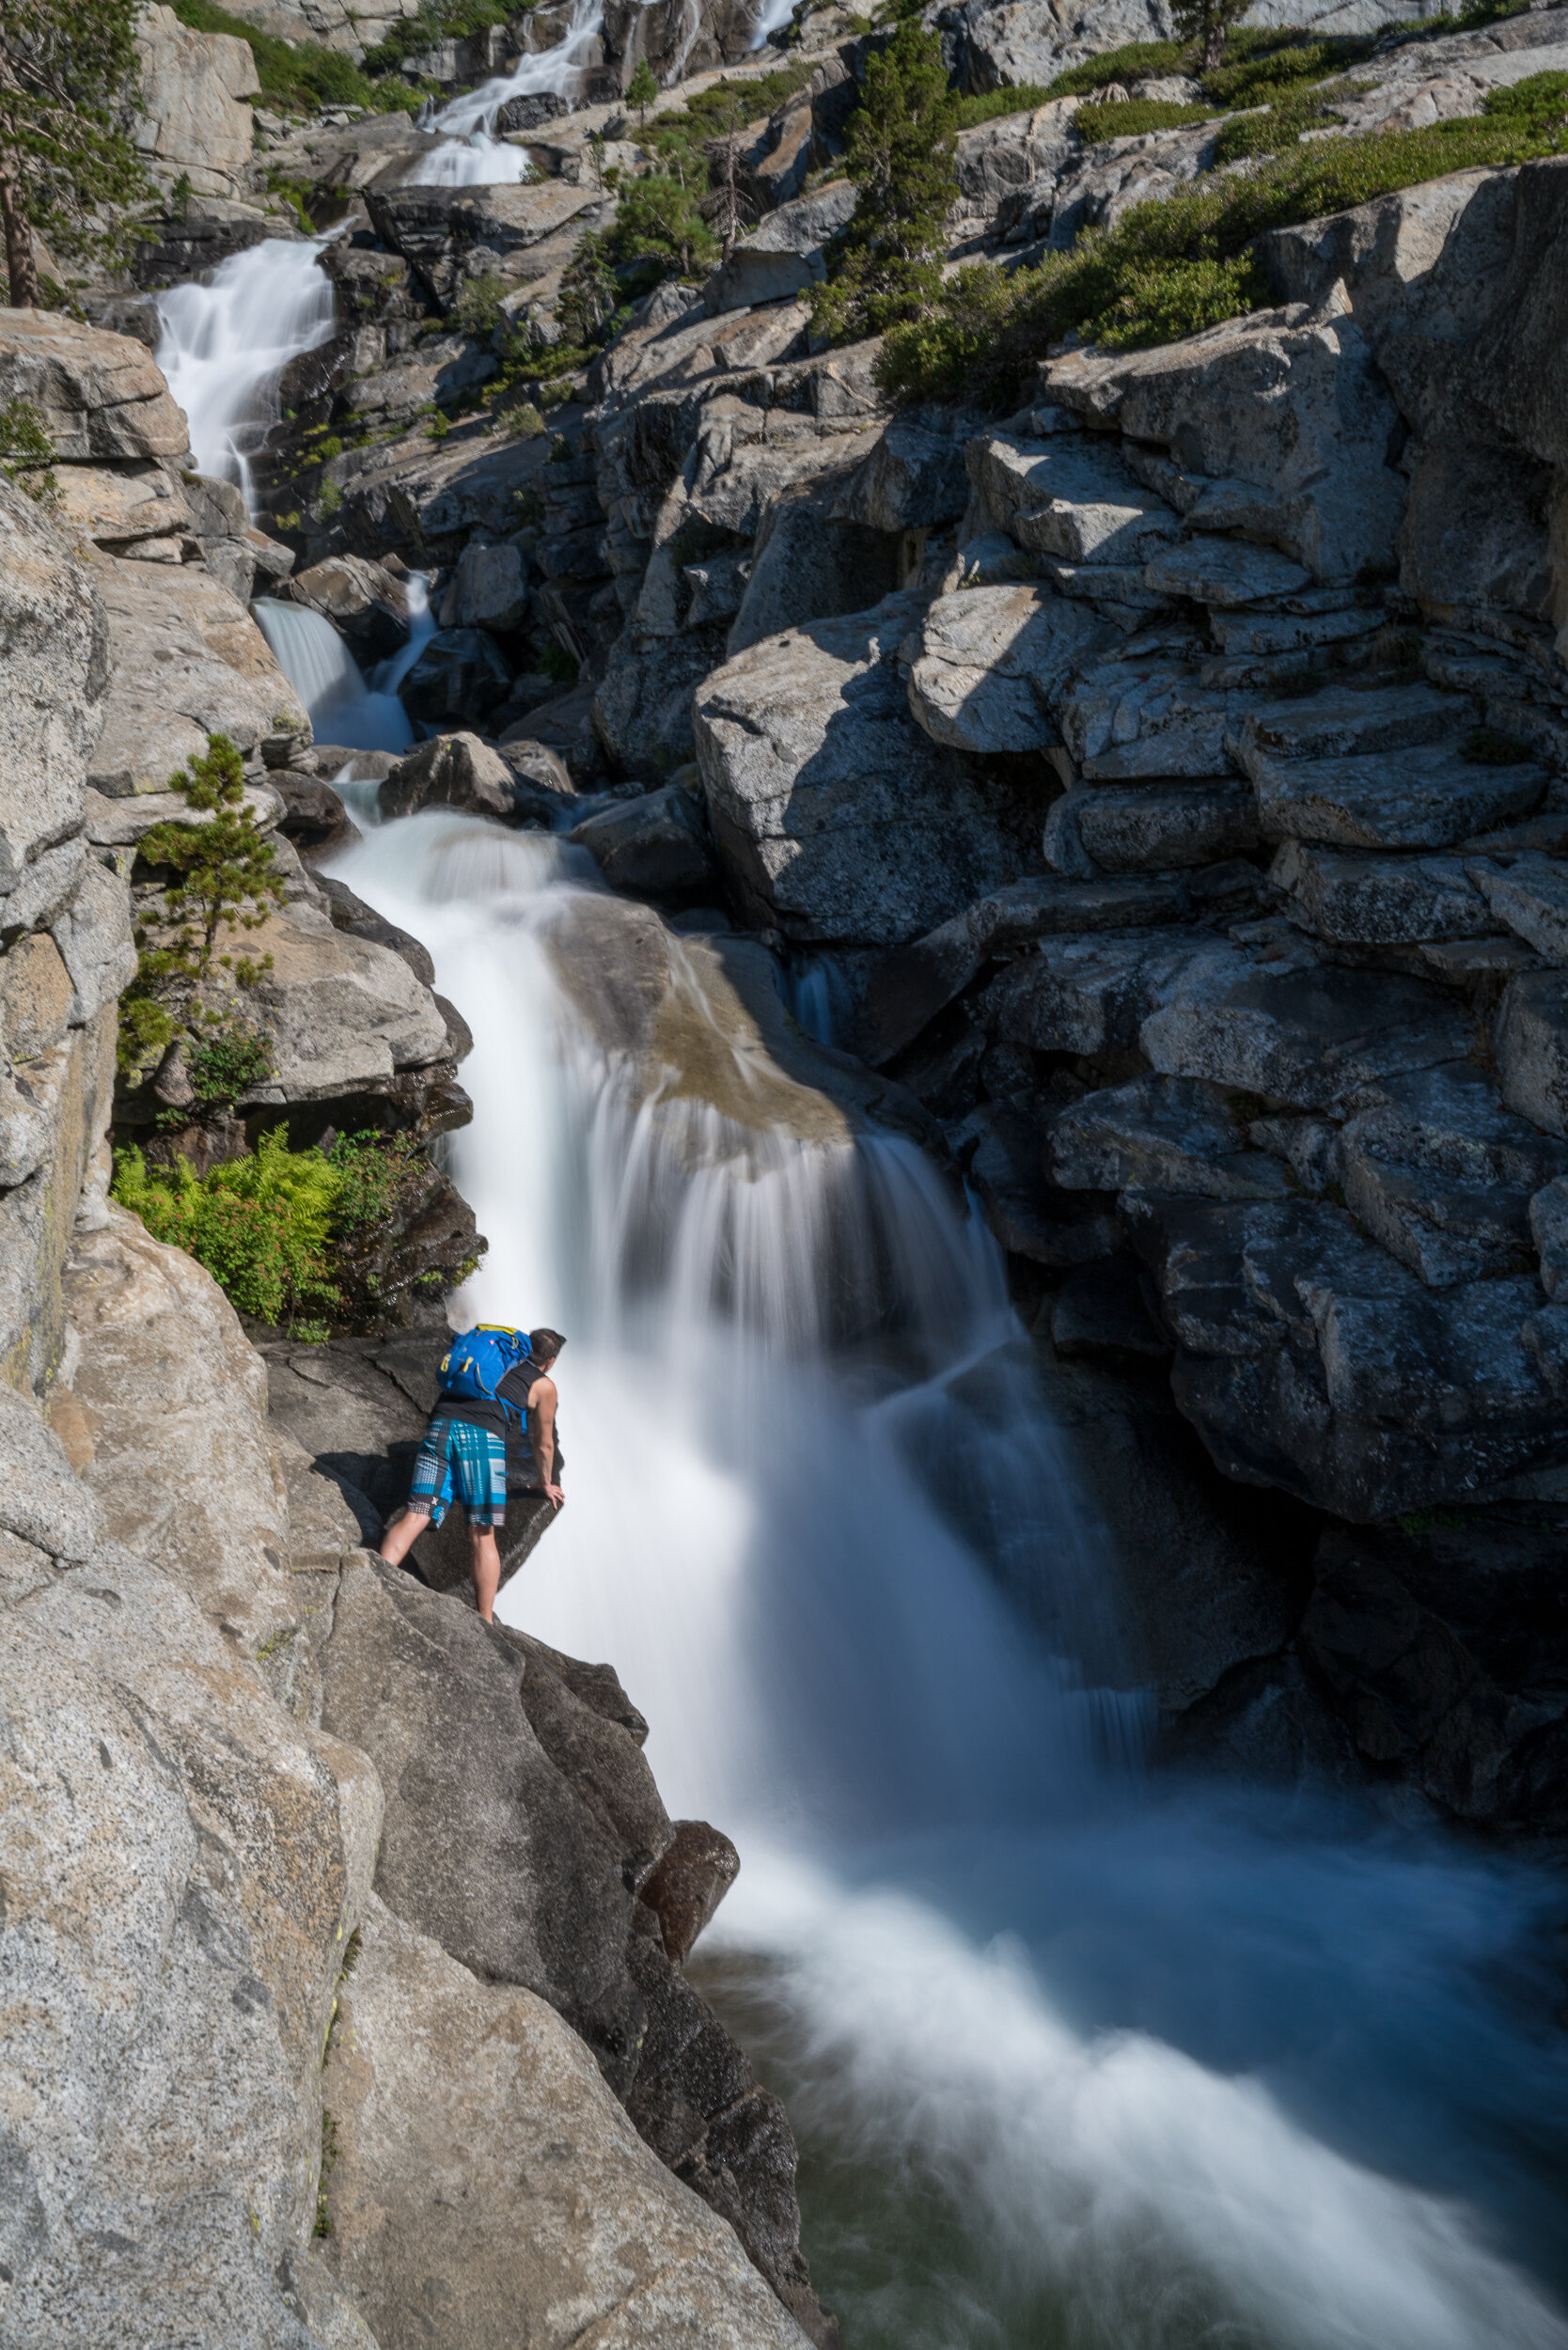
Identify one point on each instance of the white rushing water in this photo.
(1077, 2057)
(226, 343)
(344, 707)
(471, 154)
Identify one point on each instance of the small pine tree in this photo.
(642, 90)
(1207, 23)
(69, 83)
(588, 293)
(901, 153)
(223, 877)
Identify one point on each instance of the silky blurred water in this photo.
(1077, 2057)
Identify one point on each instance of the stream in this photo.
(1080, 2057)
(1076, 2055)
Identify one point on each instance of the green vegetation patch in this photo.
(1135, 117)
(1171, 267)
(279, 1231)
(439, 21)
(301, 73)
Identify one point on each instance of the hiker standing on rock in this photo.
(494, 1381)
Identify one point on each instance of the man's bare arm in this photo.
(541, 1406)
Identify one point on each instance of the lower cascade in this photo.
(344, 708)
(1056, 2035)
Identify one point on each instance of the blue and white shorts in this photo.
(457, 1457)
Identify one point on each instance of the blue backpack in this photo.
(480, 1359)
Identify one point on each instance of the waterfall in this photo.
(1077, 2055)
(473, 156)
(325, 674)
(225, 344)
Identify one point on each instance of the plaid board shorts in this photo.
(472, 1461)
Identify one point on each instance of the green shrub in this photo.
(1133, 118)
(1135, 61)
(658, 222)
(477, 308)
(27, 453)
(299, 73)
(1172, 263)
(1160, 302)
(558, 664)
(988, 105)
(280, 1229)
(260, 1225)
(588, 294)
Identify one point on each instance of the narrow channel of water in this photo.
(1077, 2057)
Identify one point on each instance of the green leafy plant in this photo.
(181, 194)
(260, 1225)
(70, 88)
(437, 426)
(987, 105)
(27, 453)
(900, 144)
(558, 664)
(329, 501)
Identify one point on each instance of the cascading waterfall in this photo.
(472, 155)
(226, 343)
(344, 708)
(1077, 2057)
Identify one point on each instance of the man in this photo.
(464, 1451)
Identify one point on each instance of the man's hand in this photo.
(554, 1495)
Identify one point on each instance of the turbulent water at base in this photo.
(1077, 2057)
(226, 343)
(344, 708)
(471, 156)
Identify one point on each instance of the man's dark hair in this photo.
(543, 1345)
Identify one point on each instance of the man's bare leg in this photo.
(485, 1557)
(398, 1540)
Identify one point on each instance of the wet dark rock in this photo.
(315, 820)
(658, 844)
(352, 915)
(458, 679)
(697, 1870)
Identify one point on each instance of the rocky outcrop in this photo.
(65, 927)
(194, 122)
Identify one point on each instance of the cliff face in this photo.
(321, 1899)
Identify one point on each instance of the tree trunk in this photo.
(19, 241)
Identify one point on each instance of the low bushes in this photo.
(1171, 267)
(301, 74)
(284, 1232)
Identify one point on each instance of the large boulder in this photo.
(98, 395)
(186, 661)
(343, 1015)
(173, 2054)
(1016, 43)
(835, 816)
(440, 2079)
(1279, 427)
(194, 120)
(450, 771)
(449, 234)
(165, 1419)
(366, 603)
